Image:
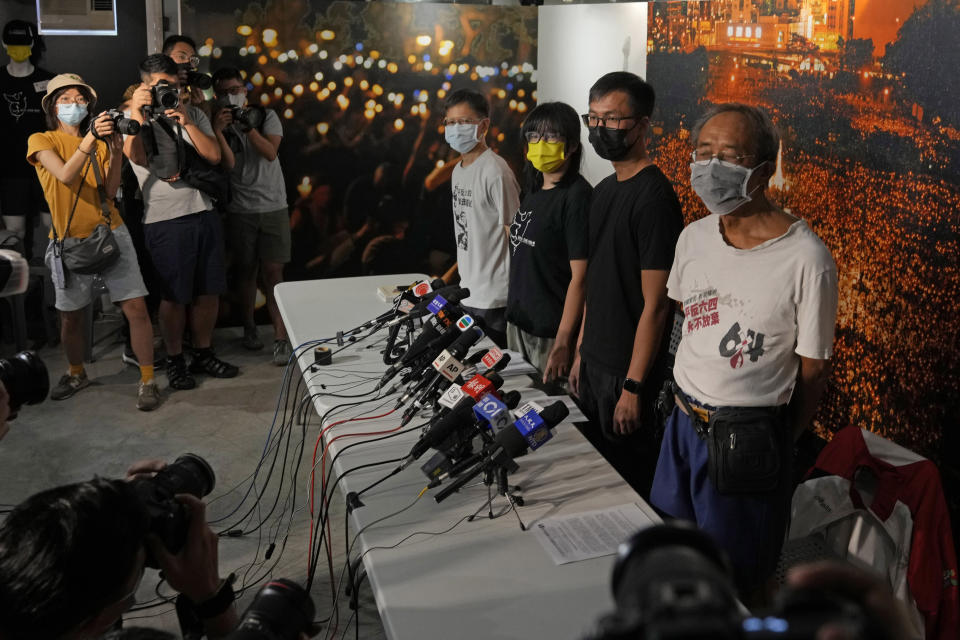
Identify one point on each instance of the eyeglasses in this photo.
(450, 123)
(610, 122)
(702, 156)
(182, 58)
(535, 136)
(234, 90)
(78, 100)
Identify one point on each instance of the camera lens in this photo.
(25, 378)
(282, 610)
(199, 80)
(165, 95)
(188, 474)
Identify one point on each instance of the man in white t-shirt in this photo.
(184, 236)
(485, 198)
(759, 296)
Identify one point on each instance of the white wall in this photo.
(576, 44)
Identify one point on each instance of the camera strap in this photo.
(153, 149)
(58, 241)
(101, 191)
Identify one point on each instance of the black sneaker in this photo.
(204, 361)
(178, 375)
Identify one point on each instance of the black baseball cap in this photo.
(19, 32)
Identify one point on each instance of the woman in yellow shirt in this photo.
(63, 158)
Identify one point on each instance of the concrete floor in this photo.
(100, 432)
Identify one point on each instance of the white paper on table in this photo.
(591, 534)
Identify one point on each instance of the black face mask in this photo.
(610, 144)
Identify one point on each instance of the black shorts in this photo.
(21, 196)
(187, 253)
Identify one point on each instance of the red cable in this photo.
(313, 467)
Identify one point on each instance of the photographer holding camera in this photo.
(258, 222)
(183, 231)
(72, 559)
(78, 164)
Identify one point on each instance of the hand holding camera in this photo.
(194, 569)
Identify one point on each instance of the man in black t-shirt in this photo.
(634, 222)
(22, 86)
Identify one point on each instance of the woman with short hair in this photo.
(64, 157)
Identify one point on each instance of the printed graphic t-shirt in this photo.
(485, 195)
(750, 313)
(548, 231)
(634, 226)
(20, 116)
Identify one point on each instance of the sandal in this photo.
(178, 376)
(204, 361)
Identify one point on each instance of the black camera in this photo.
(672, 581)
(282, 610)
(165, 95)
(25, 378)
(169, 519)
(194, 78)
(248, 118)
(121, 123)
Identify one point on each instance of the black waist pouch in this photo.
(745, 449)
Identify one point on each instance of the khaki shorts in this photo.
(122, 279)
(259, 237)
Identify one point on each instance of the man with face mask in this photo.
(759, 296)
(257, 220)
(22, 85)
(634, 223)
(485, 198)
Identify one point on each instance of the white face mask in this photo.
(462, 137)
(71, 114)
(722, 186)
(237, 99)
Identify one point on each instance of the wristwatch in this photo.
(218, 603)
(631, 385)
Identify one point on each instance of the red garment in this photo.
(915, 481)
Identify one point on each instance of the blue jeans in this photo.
(750, 528)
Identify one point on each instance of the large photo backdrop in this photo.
(864, 94)
(357, 84)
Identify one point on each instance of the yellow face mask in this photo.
(19, 52)
(546, 157)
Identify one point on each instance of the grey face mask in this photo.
(722, 185)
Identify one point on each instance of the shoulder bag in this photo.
(98, 251)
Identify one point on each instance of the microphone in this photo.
(446, 366)
(408, 299)
(446, 423)
(455, 453)
(531, 430)
(433, 302)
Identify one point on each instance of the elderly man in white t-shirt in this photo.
(759, 296)
(485, 199)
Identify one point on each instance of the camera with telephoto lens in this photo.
(121, 124)
(26, 380)
(195, 78)
(282, 610)
(169, 518)
(165, 95)
(248, 118)
(672, 581)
